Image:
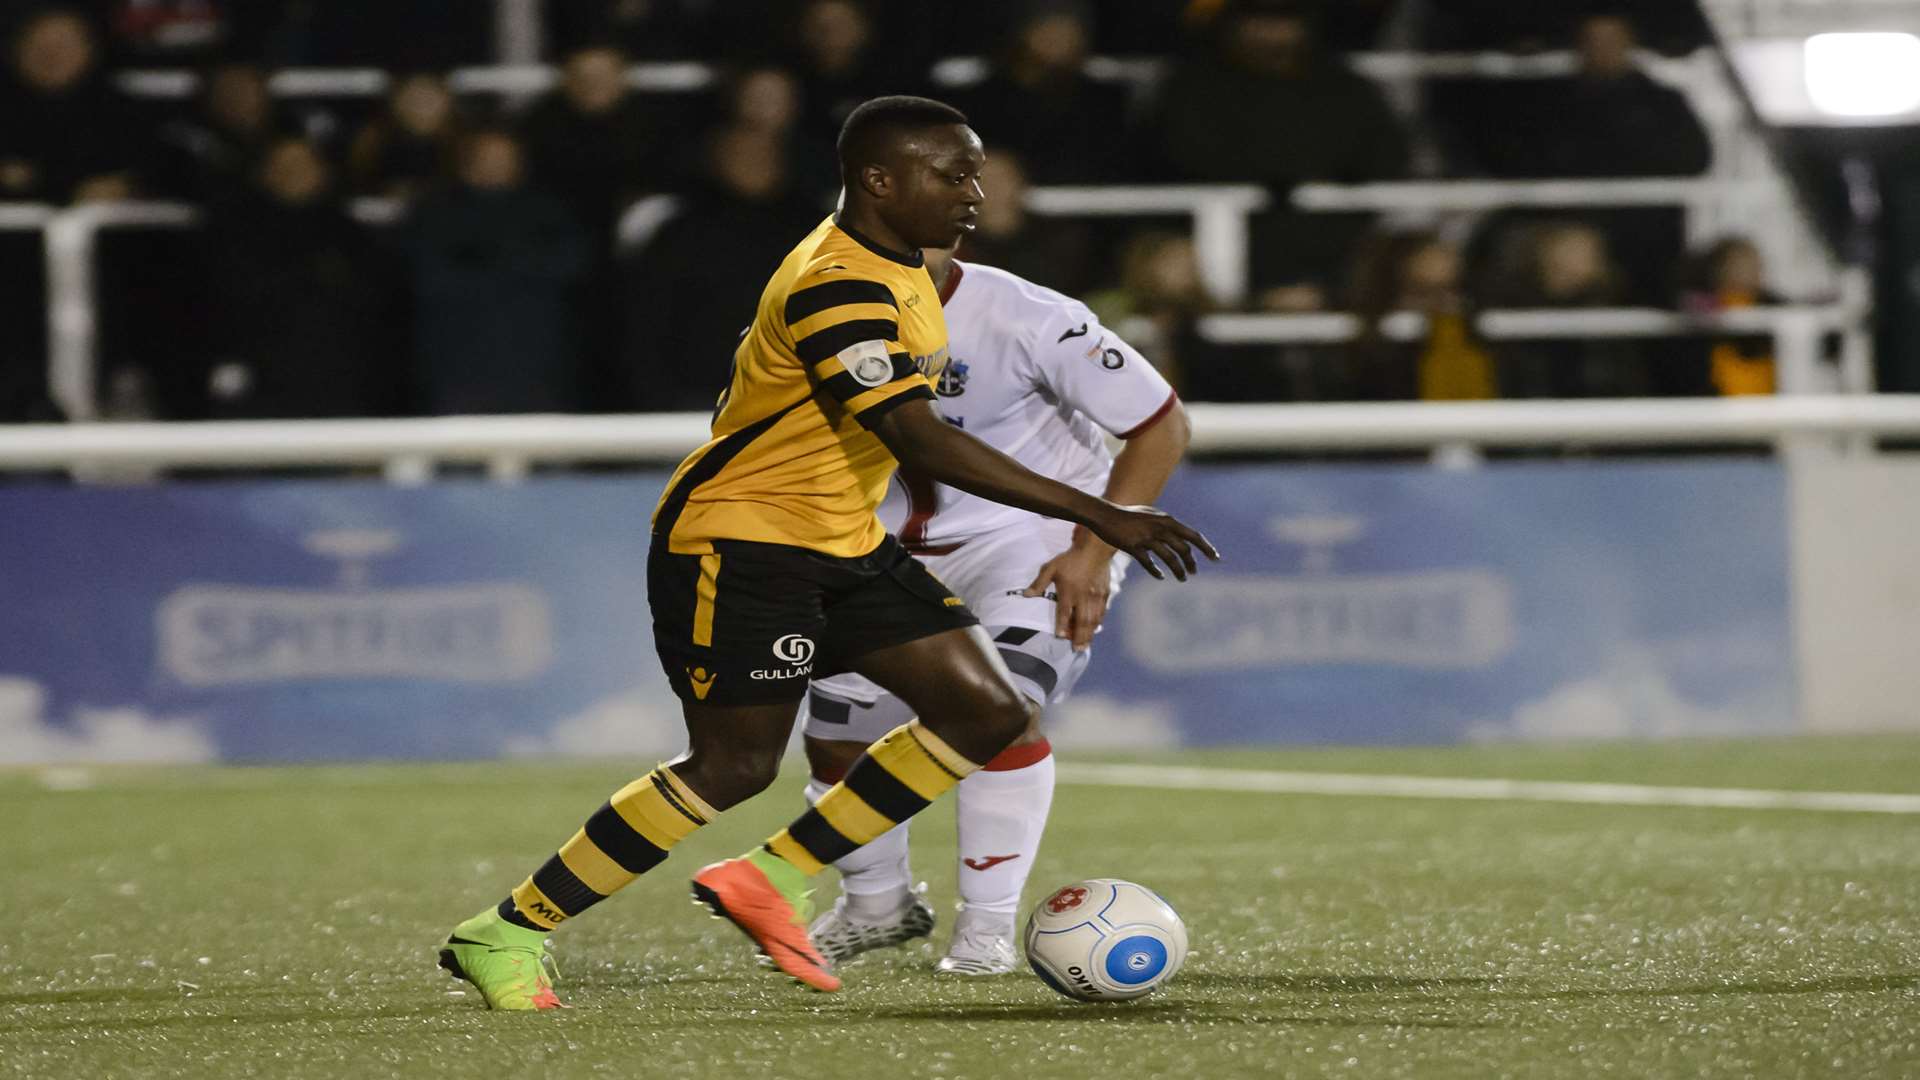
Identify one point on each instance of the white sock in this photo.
(876, 878)
(1003, 811)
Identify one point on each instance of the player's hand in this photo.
(1152, 536)
(1081, 578)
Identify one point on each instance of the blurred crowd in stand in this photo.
(598, 246)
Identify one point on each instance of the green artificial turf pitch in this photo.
(213, 922)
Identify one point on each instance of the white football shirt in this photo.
(1032, 373)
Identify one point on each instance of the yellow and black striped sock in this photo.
(895, 779)
(625, 838)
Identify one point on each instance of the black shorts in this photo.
(752, 623)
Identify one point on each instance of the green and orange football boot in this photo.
(508, 964)
(766, 897)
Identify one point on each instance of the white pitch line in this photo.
(1445, 787)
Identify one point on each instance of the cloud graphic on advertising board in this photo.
(1094, 722)
(1633, 697)
(93, 735)
(639, 723)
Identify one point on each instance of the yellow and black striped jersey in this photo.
(845, 331)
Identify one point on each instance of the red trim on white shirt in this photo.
(954, 274)
(1165, 408)
(920, 507)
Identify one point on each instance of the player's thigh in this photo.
(894, 601)
(738, 626)
(738, 746)
(958, 686)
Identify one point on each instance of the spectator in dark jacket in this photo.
(66, 135)
(1054, 252)
(766, 99)
(494, 268)
(841, 62)
(303, 299)
(694, 286)
(1562, 264)
(1266, 106)
(598, 146)
(1066, 127)
(209, 155)
(1610, 119)
(410, 146)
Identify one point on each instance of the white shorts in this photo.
(991, 573)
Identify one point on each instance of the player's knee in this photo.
(1006, 715)
(829, 759)
(732, 778)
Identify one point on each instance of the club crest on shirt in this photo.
(953, 379)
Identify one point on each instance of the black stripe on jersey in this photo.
(821, 344)
(883, 791)
(844, 387)
(817, 298)
(709, 466)
(1016, 635)
(870, 416)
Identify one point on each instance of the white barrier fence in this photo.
(409, 450)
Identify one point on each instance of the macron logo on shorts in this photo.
(701, 681)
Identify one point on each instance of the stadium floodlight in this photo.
(1864, 74)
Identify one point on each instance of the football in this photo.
(1105, 940)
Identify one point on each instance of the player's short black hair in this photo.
(873, 123)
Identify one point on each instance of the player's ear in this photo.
(876, 180)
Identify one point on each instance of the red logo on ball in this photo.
(1067, 899)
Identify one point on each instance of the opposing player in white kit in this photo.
(1034, 374)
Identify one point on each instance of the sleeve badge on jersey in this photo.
(867, 362)
(1107, 357)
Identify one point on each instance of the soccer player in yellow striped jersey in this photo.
(845, 332)
(769, 567)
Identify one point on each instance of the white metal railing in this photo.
(71, 236)
(508, 445)
(1219, 213)
(1797, 333)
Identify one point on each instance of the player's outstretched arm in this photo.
(1081, 577)
(931, 446)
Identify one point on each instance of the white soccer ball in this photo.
(1105, 940)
